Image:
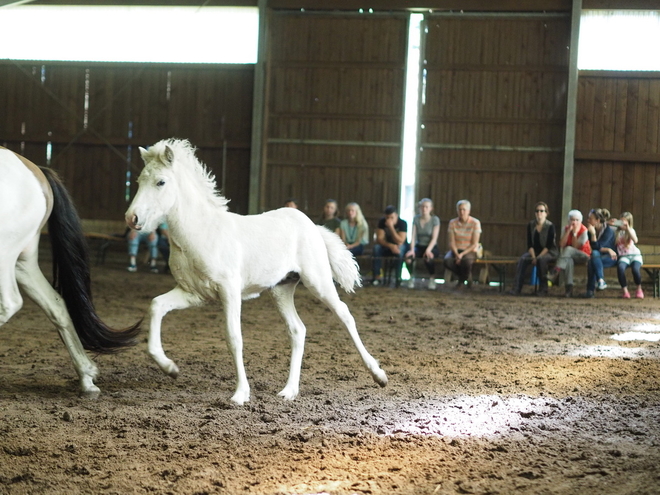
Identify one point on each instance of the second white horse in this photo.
(218, 255)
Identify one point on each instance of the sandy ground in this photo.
(488, 394)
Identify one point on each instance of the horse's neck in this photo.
(189, 221)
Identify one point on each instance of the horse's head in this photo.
(157, 189)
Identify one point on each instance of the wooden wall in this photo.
(334, 110)
(96, 115)
(618, 147)
(494, 120)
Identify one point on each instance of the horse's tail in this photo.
(71, 275)
(345, 269)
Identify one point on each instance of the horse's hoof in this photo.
(173, 371)
(90, 393)
(380, 378)
(288, 394)
(240, 398)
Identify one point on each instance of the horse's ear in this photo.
(169, 155)
(143, 153)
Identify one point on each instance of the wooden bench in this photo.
(499, 264)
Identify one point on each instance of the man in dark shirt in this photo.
(391, 241)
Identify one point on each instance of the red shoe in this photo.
(626, 294)
(640, 293)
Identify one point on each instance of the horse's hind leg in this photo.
(283, 295)
(37, 288)
(325, 291)
(177, 298)
(10, 298)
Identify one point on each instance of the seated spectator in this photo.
(391, 235)
(463, 234)
(134, 238)
(541, 250)
(354, 230)
(329, 217)
(574, 248)
(629, 255)
(424, 241)
(603, 255)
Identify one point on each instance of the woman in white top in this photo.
(424, 241)
(629, 255)
(354, 230)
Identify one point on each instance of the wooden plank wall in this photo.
(96, 115)
(494, 81)
(335, 109)
(618, 147)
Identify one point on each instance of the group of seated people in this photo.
(603, 242)
(391, 239)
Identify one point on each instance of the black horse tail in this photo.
(71, 275)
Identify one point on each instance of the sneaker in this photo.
(589, 294)
(411, 283)
(431, 285)
(626, 294)
(154, 269)
(602, 285)
(132, 268)
(569, 291)
(640, 293)
(376, 282)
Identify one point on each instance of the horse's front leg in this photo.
(177, 298)
(232, 302)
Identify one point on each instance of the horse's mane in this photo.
(185, 159)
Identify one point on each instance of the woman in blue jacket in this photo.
(603, 255)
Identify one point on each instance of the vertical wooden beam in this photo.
(571, 111)
(257, 148)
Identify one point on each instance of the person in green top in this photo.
(329, 218)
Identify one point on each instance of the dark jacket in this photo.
(547, 237)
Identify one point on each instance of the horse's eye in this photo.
(160, 183)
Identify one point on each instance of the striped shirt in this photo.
(463, 231)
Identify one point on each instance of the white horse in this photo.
(215, 254)
(29, 197)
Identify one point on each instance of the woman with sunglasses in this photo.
(541, 250)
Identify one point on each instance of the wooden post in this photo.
(257, 149)
(571, 111)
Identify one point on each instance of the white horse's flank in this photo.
(29, 197)
(216, 254)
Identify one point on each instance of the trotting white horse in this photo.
(29, 197)
(218, 255)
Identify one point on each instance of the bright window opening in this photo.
(227, 35)
(410, 122)
(619, 40)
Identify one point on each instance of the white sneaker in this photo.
(411, 283)
(602, 285)
(432, 284)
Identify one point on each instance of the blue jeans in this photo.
(143, 237)
(595, 266)
(357, 250)
(634, 267)
(381, 252)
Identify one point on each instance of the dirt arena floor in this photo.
(488, 394)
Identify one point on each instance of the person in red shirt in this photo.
(575, 248)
